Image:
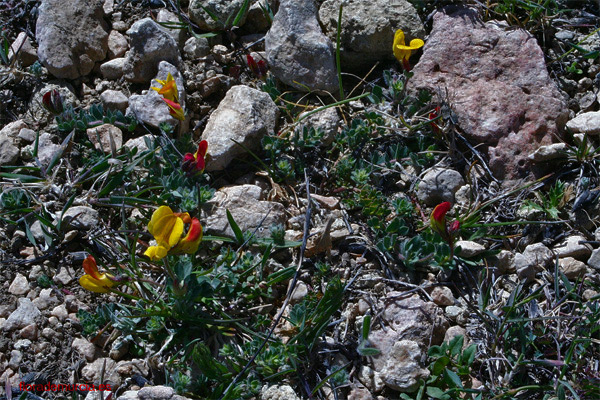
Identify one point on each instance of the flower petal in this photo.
(90, 267)
(175, 109)
(161, 225)
(156, 252)
(190, 243)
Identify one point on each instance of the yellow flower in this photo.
(93, 280)
(401, 50)
(168, 89)
(175, 109)
(167, 229)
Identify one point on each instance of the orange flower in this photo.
(93, 280)
(168, 89)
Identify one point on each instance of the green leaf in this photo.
(435, 352)
(239, 236)
(58, 155)
(64, 210)
(435, 392)
(468, 355)
(439, 365)
(452, 379)
(241, 13)
(366, 327)
(456, 344)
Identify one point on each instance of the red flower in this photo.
(433, 115)
(52, 102)
(195, 163)
(438, 222)
(259, 69)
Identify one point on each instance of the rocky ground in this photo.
(323, 271)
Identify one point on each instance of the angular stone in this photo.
(298, 53)
(9, 153)
(594, 260)
(113, 69)
(469, 248)
(24, 315)
(150, 44)
(85, 348)
(278, 392)
(196, 48)
(106, 138)
(368, 29)
(72, 35)
(572, 248)
(549, 152)
(442, 296)
(439, 185)
(572, 268)
(19, 285)
(26, 54)
(404, 368)
(502, 98)
(114, 100)
(223, 9)
(328, 121)
(117, 45)
(80, 217)
(245, 115)
(588, 122)
(247, 209)
(166, 16)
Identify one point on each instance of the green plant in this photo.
(70, 120)
(550, 204)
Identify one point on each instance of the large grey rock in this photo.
(245, 204)
(572, 248)
(245, 115)
(368, 28)
(150, 44)
(223, 9)
(408, 319)
(196, 47)
(572, 268)
(72, 35)
(588, 122)
(298, 52)
(496, 82)
(113, 69)
(439, 185)
(105, 137)
(117, 44)
(114, 100)
(19, 285)
(24, 315)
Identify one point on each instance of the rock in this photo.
(469, 248)
(371, 379)
(150, 44)
(24, 315)
(156, 393)
(572, 268)
(166, 16)
(502, 100)
(72, 35)
(45, 299)
(108, 6)
(113, 69)
(114, 100)
(588, 122)
(403, 369)
(19, 286)
(196, 48)
(409, 320)
(118, 349)
(256, 21)
(29, 332)
(245, 115)
(60, 311)
(455, 331)
(299, 292)
(9, 153)
(12, 129)
(117, 45)
(368, 29)
(298, 53)
(84, 348)
(330, 203)
(442, 296)
(106, 138)
(503, 262)
(224, 10)
(47, 149)
(455, 313)
(248, 210)
(27, 135)
(132, 367)
(534, 259)
(25, 52)
(328, 121)
(439, 185)
(138, 143)
(278, 392)
(93, 372)
(594, 260)
(572, 248)
(16, 357)
(80, 217)
(549, 152)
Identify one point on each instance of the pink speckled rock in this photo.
(497, 84)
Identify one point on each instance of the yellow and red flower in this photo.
(167, 228)
(438, 222)
(175, 109)
(195, 163)
(168, 89)
(402, 51)
(93, 280)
